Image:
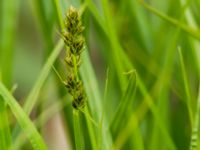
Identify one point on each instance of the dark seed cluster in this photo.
(74, 41)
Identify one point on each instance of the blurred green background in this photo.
(145, 57)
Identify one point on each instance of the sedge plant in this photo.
(148, 100)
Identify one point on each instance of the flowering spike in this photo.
(75, 44)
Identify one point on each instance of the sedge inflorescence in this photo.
(74, 41)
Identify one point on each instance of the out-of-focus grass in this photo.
(156, 106)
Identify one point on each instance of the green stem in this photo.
(77, 130)
(5, 138)
(195, 128)
(186, 88)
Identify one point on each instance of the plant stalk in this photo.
(77, 130)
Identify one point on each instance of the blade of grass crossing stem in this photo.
(90, 82)
(160, 90)
(90, 126)
(77, 130)
(45, 116)
(24, 121)
(186, 86)
(133, 121)
(156, 114)
(94, 98)
(124, 112)
(125, 102)
(126, 132)
(165, 75)
(100, 134)
(33, 95)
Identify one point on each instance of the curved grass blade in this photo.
(24, 121)
(123, 113)
(125, 104)
(32, 97)
(45, 116)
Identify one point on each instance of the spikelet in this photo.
(75, 42)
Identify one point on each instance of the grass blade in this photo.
(24, 121)
(186, 86)
(5, 136)
(94, 98)
(32, 97)
(195, 129)
(77, 130)
(125, 104)
(9, 17)
(123, 58)
(43, 118)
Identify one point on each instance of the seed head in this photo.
(75, 42)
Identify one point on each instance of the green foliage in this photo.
(149, 98)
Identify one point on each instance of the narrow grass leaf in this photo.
(32, 97)
(125, 103)
(195, 129)
(186, 86)
(5, 135)
(94, 98)
(24, 121)
(9, 19)
(77, 131)
(43, 118)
